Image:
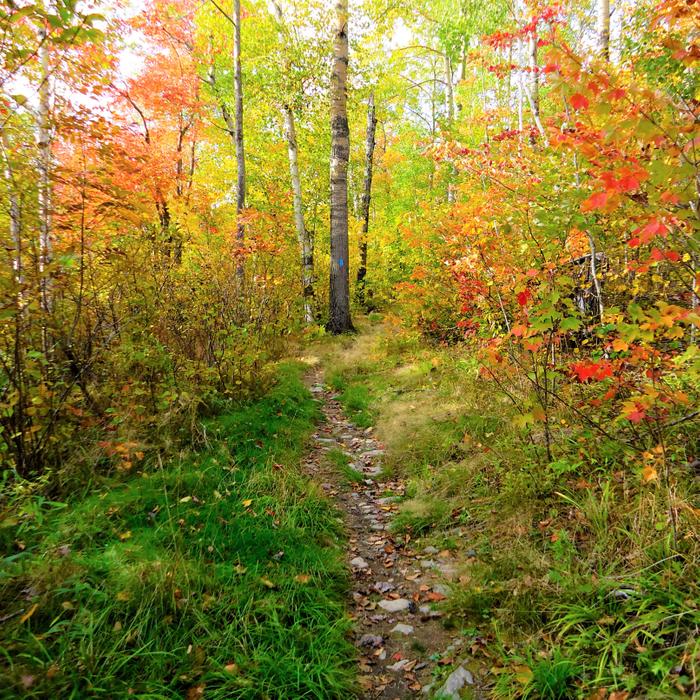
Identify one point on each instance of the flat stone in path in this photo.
(371, 640)
(359, 563)
(395, 605)
(383, 586)
(373, 453)
(402, 629)
(455, 682)
(399, 665)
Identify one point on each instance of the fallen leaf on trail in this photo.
(123, 596)
(231, 668)
(434, 596)
(619, 695)
(302, 578)
(196, 692)
(247, 502)
(605, 621)
(186, 499)
(240, 569)
(523, 674)
(649, 474)
(267, 583)
(28, 614)
(125, 536)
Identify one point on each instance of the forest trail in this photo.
(395, 585)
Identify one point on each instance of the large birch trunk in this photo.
(366, 199)
(305, 242)
(339, 313)
(240, 152)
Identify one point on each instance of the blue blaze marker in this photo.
(340, 262)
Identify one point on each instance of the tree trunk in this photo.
(509, 88)
(306, 246)
(366, 199)
(15, 212)
(534, 93)
(603, 11)
(305, 242)
(449, 92)
(521, 88)
(240, 152)
(339, 313)
(44, 190)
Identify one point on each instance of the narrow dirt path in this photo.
(395, 588)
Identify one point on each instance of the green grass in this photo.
(552, 678)
(218, 572)
(356, 398)
(341, 463)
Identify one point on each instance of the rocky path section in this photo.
(396, 587)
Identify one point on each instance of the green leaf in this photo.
(570, 324)
(23, 12)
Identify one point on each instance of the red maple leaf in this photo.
(523, 297)
(586, 370)
(579, 101)
(595, 201)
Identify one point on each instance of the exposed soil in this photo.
(397, 588)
